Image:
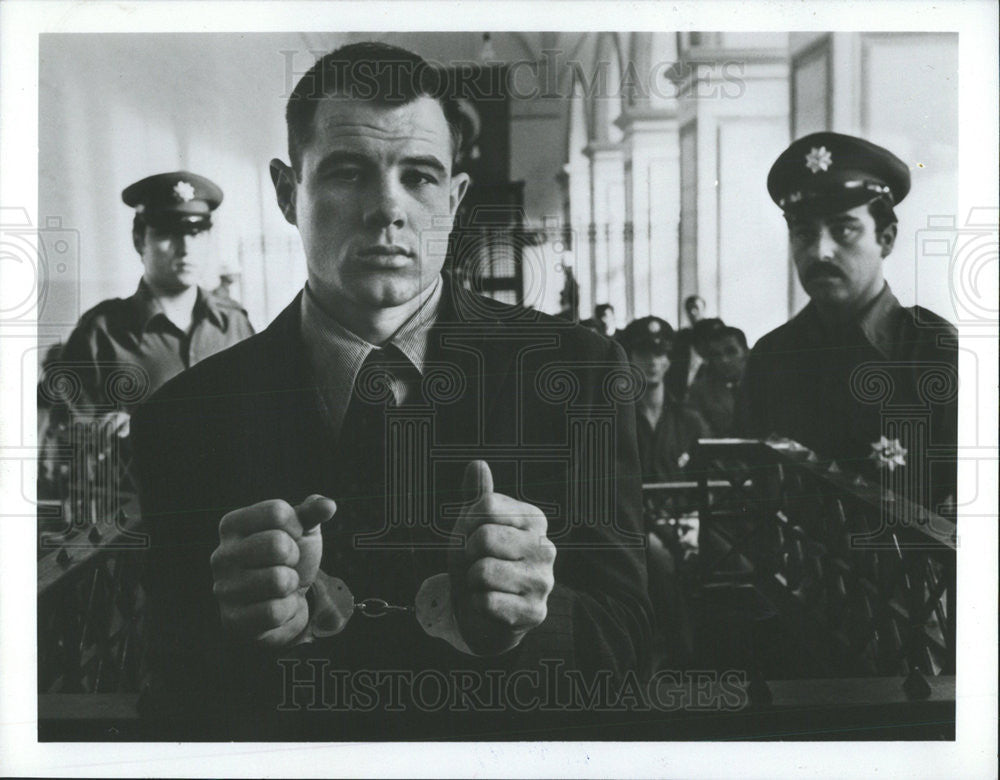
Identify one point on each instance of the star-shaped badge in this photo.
(184, 191)
(819, 159)
(888, 454)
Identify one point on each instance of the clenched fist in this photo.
(501, 566)
(268, 556)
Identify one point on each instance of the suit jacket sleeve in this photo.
(195, 674)
(599, 614)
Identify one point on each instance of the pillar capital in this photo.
(646, 119)
(600, 151)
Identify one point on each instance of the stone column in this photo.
(607, 199)
(651, 149)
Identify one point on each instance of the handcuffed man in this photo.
(398, 476)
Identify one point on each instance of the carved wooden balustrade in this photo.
(862, 581)
(90, 559)
(837, 614)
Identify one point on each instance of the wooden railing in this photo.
(805, 580)
(861, 582)
(90, 605)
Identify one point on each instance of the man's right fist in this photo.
(268, 556)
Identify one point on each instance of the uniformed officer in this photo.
(855, 376)
(667, 432)
(125, 348)
(713, 394)
(666, 429)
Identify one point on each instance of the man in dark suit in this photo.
(397, 477)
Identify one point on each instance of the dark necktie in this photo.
(364, 462)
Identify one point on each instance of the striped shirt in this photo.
(336, 354)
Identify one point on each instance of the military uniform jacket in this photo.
(123, 349)
(546, 403)
(880, 399)
(666, 448)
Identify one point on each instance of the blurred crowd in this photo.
(692, 379)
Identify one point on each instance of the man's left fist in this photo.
(501, 566)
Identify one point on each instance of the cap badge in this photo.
(184, 191)
(888, 453)
(819, 159)
(654, 327)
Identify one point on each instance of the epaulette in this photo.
(925, 318)
(104, 308)
(227, 303)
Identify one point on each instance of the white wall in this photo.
(117, 108)
(901, 92)
(736, 111)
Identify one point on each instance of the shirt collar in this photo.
(877, 321)
(876, 324)
(336, 354)
(205, 306)
(411, 338)
(145, 306)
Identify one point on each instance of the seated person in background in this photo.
(603, 321)
(713, 394)
(688, 357)
(685, 360)
(667, 430)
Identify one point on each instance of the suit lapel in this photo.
(288, 418)
(469, 336)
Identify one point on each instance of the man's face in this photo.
(652, 365)
(375, 200)
(695, 309)
(608, 319)
(726, 358)
(173, 260)
(839, 257)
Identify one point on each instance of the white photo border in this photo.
(974, 751)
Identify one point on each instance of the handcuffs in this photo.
(333, 605)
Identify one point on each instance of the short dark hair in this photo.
(691, 299)
(141, 221)
(726, 332)
(138, 232)
(600, 308)
(882, 212)
(704, 329)
(880, 209)
(373, 71)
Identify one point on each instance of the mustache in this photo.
(823, 271)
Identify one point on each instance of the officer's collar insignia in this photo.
(654, 327)
(888, 454)
(819, 159)
(184, 191)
